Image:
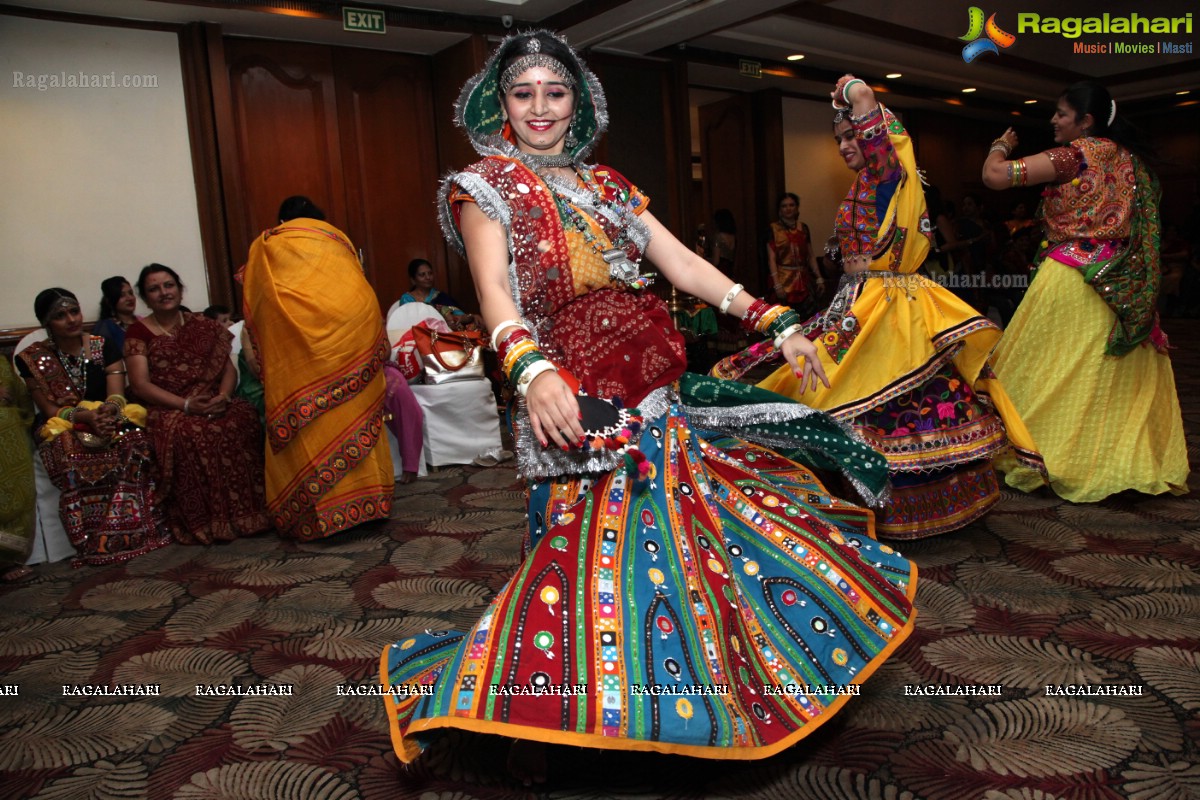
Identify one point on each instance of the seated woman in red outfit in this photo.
(209, 446)
(103, 464)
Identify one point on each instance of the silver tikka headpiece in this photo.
(534, 58)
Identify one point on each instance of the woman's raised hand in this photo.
(858, 89)
(1009, 137)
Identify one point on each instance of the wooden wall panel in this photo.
(727, 157)
(284, 108)
(389, 163)
(451, 69)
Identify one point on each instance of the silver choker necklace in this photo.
(539, 161)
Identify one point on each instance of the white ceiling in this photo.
(918, 38)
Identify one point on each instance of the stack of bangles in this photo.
(116, 401)
(519, 355)
(1018, 174)
(846, 89)
(779, 322)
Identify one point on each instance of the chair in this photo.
(461, 422)
(50, 542)
(236, 348)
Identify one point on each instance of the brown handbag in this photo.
(449, 357)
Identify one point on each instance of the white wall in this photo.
(96, 181)
(812, 167)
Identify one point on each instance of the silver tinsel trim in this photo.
(535, 462)
(735, 421)
(491, 204)
(486, 197)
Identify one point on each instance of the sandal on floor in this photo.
(16, 574)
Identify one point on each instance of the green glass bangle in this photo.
(523, 363)
(782, 322)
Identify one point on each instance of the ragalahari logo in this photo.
(996, 38)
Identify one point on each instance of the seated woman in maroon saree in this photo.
(209, 445)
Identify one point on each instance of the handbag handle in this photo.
(467, 347)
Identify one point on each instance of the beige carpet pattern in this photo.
(1040, 592)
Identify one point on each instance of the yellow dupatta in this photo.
(315, 322)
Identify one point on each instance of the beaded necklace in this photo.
(620, 267)
(76, 369)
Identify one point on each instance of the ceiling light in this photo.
(796, 57)
(1030, 102)
(893, 75)
(1185, 91)
(968, 90)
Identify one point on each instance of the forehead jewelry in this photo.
(535, 58)
(60, 302)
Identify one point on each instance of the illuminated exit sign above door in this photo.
(363, 20)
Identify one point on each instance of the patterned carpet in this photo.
(1040, 592)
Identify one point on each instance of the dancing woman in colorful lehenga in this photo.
(681, 574)
(1103, 409)
(907, 360)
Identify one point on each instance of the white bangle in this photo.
(845, 88)
(186, 400)
(502, 327)
(733, 292)
(534, 369)
(785, 333)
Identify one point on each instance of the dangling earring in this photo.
(570, 141)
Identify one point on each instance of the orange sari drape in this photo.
(315, 322)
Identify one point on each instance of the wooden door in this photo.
(727, 148)
(352, 130)
(285, 121)
(389, 163)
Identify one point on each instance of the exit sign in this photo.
(750, 69)
(363, 20)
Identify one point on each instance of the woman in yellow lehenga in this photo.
(907, 361)
(1103, 405)
(321, 345)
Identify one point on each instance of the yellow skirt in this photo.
(897, 364)
(1103, 424)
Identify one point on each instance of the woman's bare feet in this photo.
(407, 477)
(527, 761)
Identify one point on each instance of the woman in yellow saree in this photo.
(907, 360)
(315, 325)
